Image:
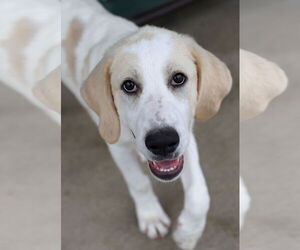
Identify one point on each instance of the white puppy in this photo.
(260, 82)
(146, 85)
(30, 51)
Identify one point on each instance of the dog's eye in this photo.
(178, 80)
(129, 87)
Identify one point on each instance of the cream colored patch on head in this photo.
(120, 71)
(149, 45)
(70, 43)
(22, 33)
(182, 61)
(142, 36)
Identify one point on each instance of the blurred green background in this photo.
(132, 8)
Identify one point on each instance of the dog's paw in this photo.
(184, 238)
(153, 222)
(188, 231)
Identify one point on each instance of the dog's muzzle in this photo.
(167, 170)
(162, 143)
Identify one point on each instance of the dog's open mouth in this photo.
(166, 170)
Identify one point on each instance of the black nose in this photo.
(162, 141)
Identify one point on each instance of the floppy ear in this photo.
(48, 90)
(260, 82)
(97, 93)
(214, 81)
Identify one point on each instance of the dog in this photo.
(260, 82)
(30, 52)
(144, 87)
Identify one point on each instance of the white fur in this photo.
(45, 16)
(244, 202)
(100, 31)
(260, 82)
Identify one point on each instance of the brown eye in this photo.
(129, 87)
(178, 80)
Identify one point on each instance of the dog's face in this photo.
(151, 86)
(155, 90)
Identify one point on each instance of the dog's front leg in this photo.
(152, 219)
(192, 219)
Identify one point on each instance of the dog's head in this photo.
(150, 86)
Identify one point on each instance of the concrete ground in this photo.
(97, 212)
(29, 176)
(270, 143)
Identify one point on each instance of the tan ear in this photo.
(214, 81)
(97, 93)
(48, 90)
(260, 82)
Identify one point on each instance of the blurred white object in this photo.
(30, 51)
(260, 82)
(244, 202)
(30, 57)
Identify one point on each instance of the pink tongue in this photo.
(167, 164)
